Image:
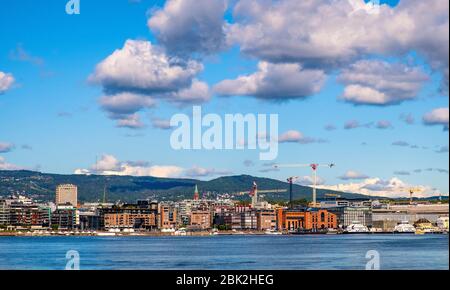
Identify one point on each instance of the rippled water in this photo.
(227, 252)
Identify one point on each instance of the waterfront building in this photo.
(67, 193)
(245, 218)
(142, 215)
(347, 215)
(26, 215)
(344, 202)
(312, 219)
(4, 212)
(266, 220)
(90, 221)
(236, 218)
(167, 216)
(387, 218)
(185, 208)
(64, 218)
(201, 219)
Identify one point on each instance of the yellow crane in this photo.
(413, 190)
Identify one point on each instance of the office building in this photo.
(67, 194)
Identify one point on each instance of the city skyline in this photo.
(94, 92)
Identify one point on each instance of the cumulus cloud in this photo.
(125, 103)
(437, 117)
(197, 93)
(198, 172)
(161, 124)
(142, 67)
(329, 33)
(7, 166)
(373, 82)
(384, 124)
(6, 147)
(130, 121)
(137, 76)
(185, 27)
(6, 81)
(110, 165)
(309, 180)
(353, 175)
(294, 136)
(275, 82)
(392, 188)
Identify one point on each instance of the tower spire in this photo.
(196, 194)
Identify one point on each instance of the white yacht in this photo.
(404, 227)
(356, 228)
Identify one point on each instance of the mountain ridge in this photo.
(41, 186)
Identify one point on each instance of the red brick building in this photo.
(309, 220)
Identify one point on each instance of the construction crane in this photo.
(291, 181)
(254, 193)
(314, 167)
(411, 193)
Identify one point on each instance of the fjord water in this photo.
(227, 252)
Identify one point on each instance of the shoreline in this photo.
(193, 234)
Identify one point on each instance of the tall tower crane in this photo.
(254, 193)
(291, 181)
(411, 193)
(314, 167)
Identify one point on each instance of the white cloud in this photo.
(190, 26)
(140, 74)
(384, 124)
(393, 188)
(353, 175)
(438, 116)
(6, 147)
(110, 165)
(144, 68)
(276, 82)
(309, 180)
(130, 121)
(126, 103)
(7, 166)
(294, 136)
(197, 93)
(330, 33)
(6, 81)
(373, 82)
(161, 124)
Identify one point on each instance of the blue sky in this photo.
(53, 121)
